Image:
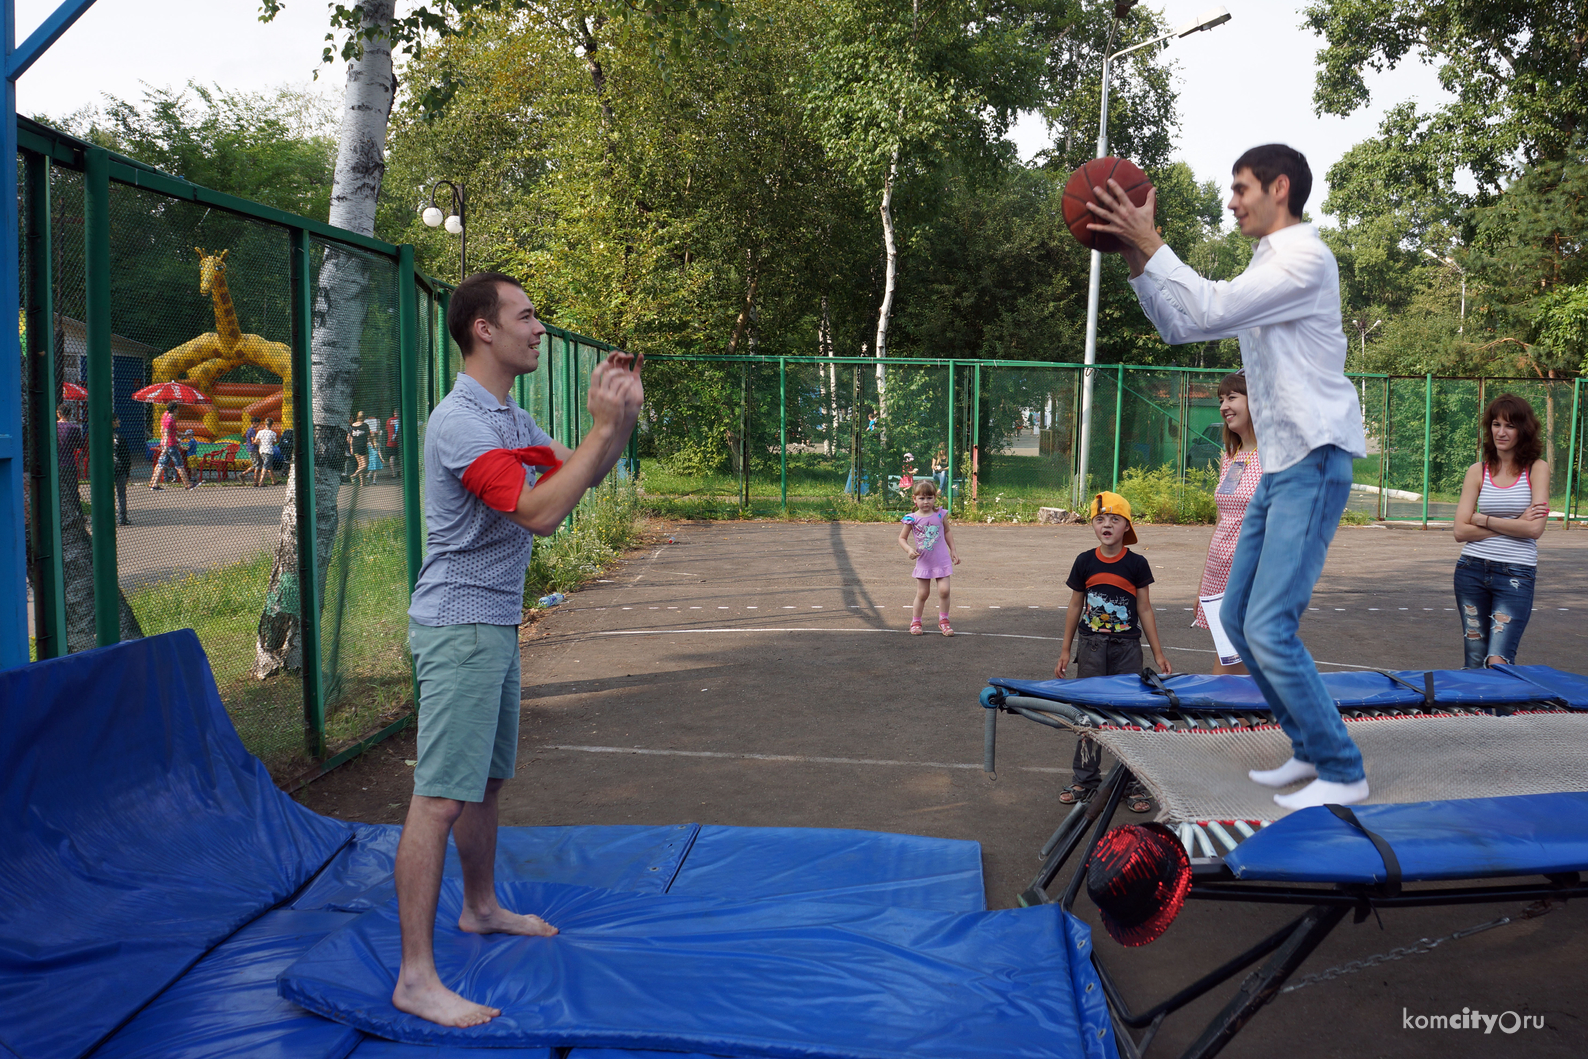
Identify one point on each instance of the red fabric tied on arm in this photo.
(497, 476)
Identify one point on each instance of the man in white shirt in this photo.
(1285, 310)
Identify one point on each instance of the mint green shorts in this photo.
(468, 707)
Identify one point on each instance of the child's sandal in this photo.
(915, 628)
(943, 626)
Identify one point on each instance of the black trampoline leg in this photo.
(1070, 834)
(1263, 984)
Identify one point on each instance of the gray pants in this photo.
(1100, 656)
(121, 497)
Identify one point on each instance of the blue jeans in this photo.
(1284, 539)
(1497, 595)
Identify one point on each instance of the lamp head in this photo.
(1207, 20)
(454, 224)
(431, 216)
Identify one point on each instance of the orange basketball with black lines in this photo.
(1078, 192)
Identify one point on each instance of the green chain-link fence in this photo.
(132, 278)
(818, 435)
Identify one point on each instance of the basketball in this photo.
(1078, 192)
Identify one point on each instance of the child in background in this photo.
(1110, 608)
(907, 474)
(927, 539)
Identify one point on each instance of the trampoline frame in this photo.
(1287, 948)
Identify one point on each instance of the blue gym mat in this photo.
(135, 834)
(1470, 838)
(802, 979)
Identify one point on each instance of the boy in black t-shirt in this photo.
(1110, 608)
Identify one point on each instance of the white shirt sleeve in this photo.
(1185, 307)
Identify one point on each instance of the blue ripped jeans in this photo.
(1495, 600)
(1284, 540)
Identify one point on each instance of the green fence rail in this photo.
(133, 277)
(813, 434)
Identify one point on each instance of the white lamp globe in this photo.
(455, 224)
(431, 216)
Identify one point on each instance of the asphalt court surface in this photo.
(762, 674)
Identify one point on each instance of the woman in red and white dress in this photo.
(1239, 472)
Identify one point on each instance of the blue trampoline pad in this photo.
(1503, 685)
(684, 974)
(829, 864)
(135, 834)
(614, 857)
(228, 1004)
(1473, 838)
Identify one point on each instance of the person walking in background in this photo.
(927, 539)
(1110, 608)
(1240, 470)
(265, 452)
(358, 446)
(121, 463)
(907, 474)
(170, 454)
(251, 443)
(1503, 510)
(393, 456)
(70, 445)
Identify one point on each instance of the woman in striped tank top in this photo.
(1503, 510)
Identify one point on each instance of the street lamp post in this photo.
(1207, 20)
(1448, 260)
(456, 219)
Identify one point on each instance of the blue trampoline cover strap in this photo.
(1392, 866)
(1471, 838)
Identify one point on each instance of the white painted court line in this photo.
(994, 635)
(803, 759)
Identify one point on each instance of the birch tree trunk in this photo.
(828, 379)
(889, 282)
(340, 304)
(77, 569)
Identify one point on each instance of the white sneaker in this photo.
(1292, 771)
(1324, 792)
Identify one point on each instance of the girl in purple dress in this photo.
(929, 541)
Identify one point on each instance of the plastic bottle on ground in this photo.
(552, 600)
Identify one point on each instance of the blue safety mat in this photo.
(1500, 686)
(617, 857)
(228, 1003)
(1474, 838)
(826, 864)
(135, 834)
(766, 978)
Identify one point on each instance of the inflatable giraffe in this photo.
(202, 361)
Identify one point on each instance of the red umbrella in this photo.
(70, 391)
(166, 392)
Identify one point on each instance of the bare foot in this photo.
(436, 1003)
(501, 921)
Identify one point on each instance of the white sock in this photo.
(1324, 792)
(1286, 774)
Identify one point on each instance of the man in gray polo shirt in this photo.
(489, 489)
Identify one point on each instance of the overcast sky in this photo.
(1247, 82)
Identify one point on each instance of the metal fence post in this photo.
(1428, 438)
(101, 394)
(408, 403)
(49, 584)
(1571, 454)
(301, 274)
(951, 439)
(782, 421)
(975, 429)
(1384, 451)
(1119, 417)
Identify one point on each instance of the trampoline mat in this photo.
(801, 979)
(1197, 774)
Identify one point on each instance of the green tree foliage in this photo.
(273, 147)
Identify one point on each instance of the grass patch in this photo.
(370, 682)
(605, 525)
